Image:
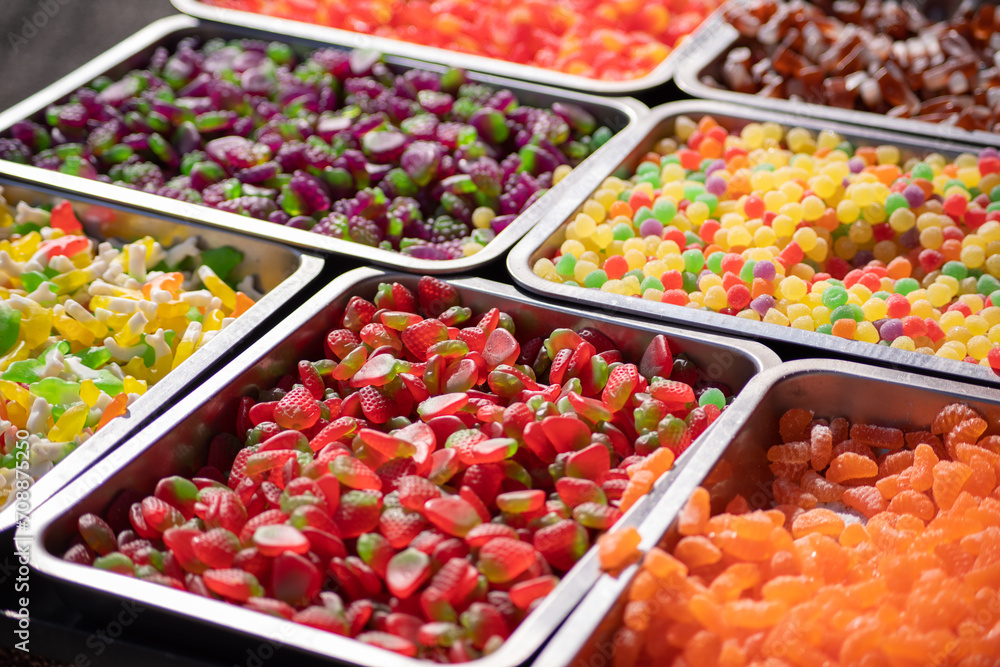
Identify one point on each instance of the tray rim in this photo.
(527, 639)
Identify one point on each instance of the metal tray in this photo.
(710, 56)
(177, 444)
(547, 236)
(283, 273)
(135, 52)
(657, 77)
(831, 389)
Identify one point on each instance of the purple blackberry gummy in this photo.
(334, 225)
(420, 161)
(485, 173)
(278, 217)
(255, 207)
(385, 146)
(301, 222)
(14, 150)
(365, 231)
(310, 192)
(259, 173)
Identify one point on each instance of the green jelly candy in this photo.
(651, 282)
(712, 396)
(623, 231)
(906, 285)
(222, 260)
(956, 270)
(664, 210)
(694, 261)
(566, 264)
(834, 297)
(23, 371)
(56, 390)
(10, 326)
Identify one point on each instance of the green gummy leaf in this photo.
(107, 382)
(94, 357)
(222, 260)
(10, 326)
(23, 371)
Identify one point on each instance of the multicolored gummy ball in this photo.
(332, 141)
(611, 41)
(423, 487)
(86, 325)
(881, 548)
(802, 230)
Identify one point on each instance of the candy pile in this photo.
(421, 488)
(333, 141)
(86, 325)
(802, 230)
(876, 56)
(613, 41)
(911, 576)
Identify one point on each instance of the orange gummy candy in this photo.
(851, 466)
(618, 547)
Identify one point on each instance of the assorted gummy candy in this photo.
(423, 487)
(882, 548)
(613, 41)
(332, 141)
(803, 230)
(87, 325)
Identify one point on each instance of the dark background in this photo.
(72, 32)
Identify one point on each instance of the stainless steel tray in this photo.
(177, 444)
(660, 75)
(283, 272)
(546, 237)
(710, 55)
(135, 52)
(831, 389)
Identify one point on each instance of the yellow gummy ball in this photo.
(873, 214)
(848, 211)
(616, 248)
(991, 315)
(774, 316)
(902, 219)
(806, 238)
(653, 294)
(792, 190)
(774, 200)
(874, 309)
(764, 236)
(820, 251)
(603, 235)
(656, 268)
(993, 265)
(595, 210)
(585, 225)
(636, 259)
(994, 334)
(762, 180)
(738, 237)
(948, 353)
(887, 154)
(613, 287)
(938, 295)
(951, 283)
(697, 212)
(749, 314)
(772, 130)
(866, 332)
(605, 197)
(614, 184)
(695, 300)
(989, 231)
(793, 288)
(797, 310)
(969, 176)
(760, 254)
(828, 139)
(634, 243)
(753, 135)
(958, 334)
(632, 286)
(921, 308)
(470, 249)
(561, 172)
(582, 268)
(804, 323)
(973, 256)
(862, 194)
(482, 217)
(572, 247)
(674, 261)
(671, 173)
(952, 318)
(783, 226)
(708, 281)
(903, 343)
(715, 298)
(977, 325)
(665, 248)
(546, 270)
(812, 208)
(978, 347)
(823, 186)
